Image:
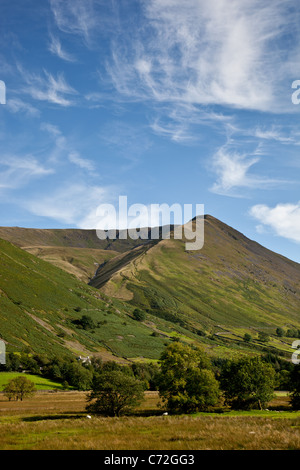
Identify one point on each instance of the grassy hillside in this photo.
(40, 302)
(81, 262)
(211, 297)
(79, 252)
(231, 287)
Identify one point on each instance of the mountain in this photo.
(211, 297)
(41, 307)
(79, 252)
(230, 287)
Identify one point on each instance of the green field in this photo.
(57, 421)
(41, 383)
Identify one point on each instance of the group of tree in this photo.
(262, 336)
(72, 373)
(280, 332)
(289, 332)
(188, 382)
(186, 378)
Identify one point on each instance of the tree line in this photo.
(187, 380)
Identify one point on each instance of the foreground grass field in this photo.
(57, 421)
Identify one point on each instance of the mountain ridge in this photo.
(230, 287)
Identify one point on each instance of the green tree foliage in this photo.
(294, 386)
(114, 393)
(86, 322)
(247, 383)
(280, 332)
(70, 372)
(139, 315)
(187, 383)
(19, 388)
(247, 337)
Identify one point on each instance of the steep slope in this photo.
(230, 287)
(79, 252)
(40, 305)
(81, 262)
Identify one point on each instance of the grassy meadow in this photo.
(41, 383)
(58, 421)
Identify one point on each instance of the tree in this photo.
(279, 332)
(13, 362)
(19, 388)
(114, 393)
(247, 383)
(294, 385)
(86, 322)
(77, 376)
(247, 337)
(138, 314)
(186, 383)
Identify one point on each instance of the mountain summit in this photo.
(214, 296)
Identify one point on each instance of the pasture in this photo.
(57, 421)
(41, 383)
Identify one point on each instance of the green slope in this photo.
(39, 303)
(79, 252)
(230, 287)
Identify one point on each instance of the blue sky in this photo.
(163, 101)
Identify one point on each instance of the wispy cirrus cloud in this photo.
(274, 134)
(186, 123)
(75, 17)
(209, 53)
(56, 48)
(75, 158)
(232, 170)
(64, 149)
(17, 105)
(18, 171)
(47, 87)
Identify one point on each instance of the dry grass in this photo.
(52, 421)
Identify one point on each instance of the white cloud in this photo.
(283, 219)
(75, 17)
(76, 159)
(273, 133)
(232, 171)
(16, 105)
(18, 171)
(224, 52)
(56, 48)
(46, 87)
(63, 147)
(73, 204)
